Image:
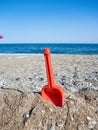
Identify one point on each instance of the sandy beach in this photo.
(77, 74)
(70, 71)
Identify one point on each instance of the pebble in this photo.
(97, 99)
(72, 97)
(41, 79)
(51, 109)
(73, 89)
(17, 78)
(2, 84)
(30, 78)
(43, 112)
(26, 115)
(91, 123)
(40, 123)
(72, 119)
(88, 118)
(52, 128)
(60, 124)
(96, 111)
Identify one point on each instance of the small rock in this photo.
(91, 124)
(96, 111)
(52, 128)
(74, 82)
(73, 89)
(26, 115)
(72, 97)
(40, 123)
(62, 83)
(41, 79)
(51, 109)
(30, 78)
(88, 118)
(17, 78)
(2, 84)
(60, 124)
(43, 111)
(97, 99)
(72, 119)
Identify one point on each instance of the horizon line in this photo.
(49, 43)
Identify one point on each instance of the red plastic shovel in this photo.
(51, 92)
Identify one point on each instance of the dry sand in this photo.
(23, 76)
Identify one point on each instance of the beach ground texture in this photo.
(21, 105)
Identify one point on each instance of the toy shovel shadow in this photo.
(51, 92)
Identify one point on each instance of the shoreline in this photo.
(30, 54)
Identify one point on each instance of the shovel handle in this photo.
(49, 70)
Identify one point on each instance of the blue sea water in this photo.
(55, 48)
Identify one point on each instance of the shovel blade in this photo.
(55, 95)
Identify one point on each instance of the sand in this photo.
(22, 78)
(71, 71)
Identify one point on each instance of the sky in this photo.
(49, 21)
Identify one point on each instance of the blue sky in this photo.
(49, 21)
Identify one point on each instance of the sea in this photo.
(55, 48)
